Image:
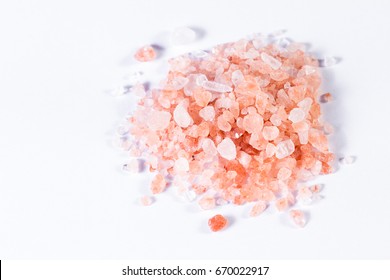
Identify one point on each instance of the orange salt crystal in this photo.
(146, 53)
(158, 184)
(146, 200)
(258, 208)
(298, 217)
(217, 222)
(326, 97)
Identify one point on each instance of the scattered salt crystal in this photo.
(326, 97)
(181, 116)
(217, 87)
(298, 217)
(207, 203)
(123, 129)
(271, 61)
(133, 78)
(146, 200)
(258, 208)
(146, 53)
(284, 149)
(119, 91)
(347, 160)
(199, 54)
(327, 61)
(296, 115)
(227, 149)
(133, 166)
(183, 36)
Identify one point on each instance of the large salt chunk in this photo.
(271, 61)
(158, 120)
(217, 87)
(181, 116)
(227, 149)
(207, 113)
(296, 115)
(284, 149)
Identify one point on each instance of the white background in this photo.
(62, 194)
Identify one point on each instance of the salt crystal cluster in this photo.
(239, 125)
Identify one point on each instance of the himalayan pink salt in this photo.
(270, 133)
(296, 115)
(227, 149)
(181, 116)
(207, 203)
(258, 208)
(146, 200)
(158, 184)
(146, 53)
(241, 122)
(158, 120)
(347, 160)
(217, 222)
(207, 113)
(326, 97)
(298, 217)
(284, 149)
(284, 173)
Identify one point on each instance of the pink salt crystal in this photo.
(208, 147)
(258, 208)
(296, 115)
(146, 200)
(284, 149)
(271, 61)
(227, 149)
(284, 173)
(207, 113)
(181, 116)
(270, 150)
(146, 53)
(202, 97)
(276, 120)
(207, 203)
(237, 77)
(158, 184)
(158, 120)
(270, 133)
(298, 217)
(217, 87)
(253, 123)
(282, 204)
(181, 165)
(223, 124)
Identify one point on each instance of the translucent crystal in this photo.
(133, 166)
(199, 54)
(347, 160)
(285, 148)
(237, 77)
(183, 36)
(298, 217)
(119, 91)
(133, 78)
(271, 61)
(123, 129)
(217, 87)
(327, 61)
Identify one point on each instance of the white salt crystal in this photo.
(347, 160)
(327, 61)
(237, 77)
(183, 36)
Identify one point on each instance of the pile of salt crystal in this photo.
(240, 124)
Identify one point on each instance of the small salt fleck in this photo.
(199, 54)
(123, 129)
(227, 149)
(284, 149)
(347, 160)
(183, 36)
(133, 78)
(258, 208)
(133, 166)
(217, 87)
(298, 217)
(146, 200)
(326, 97)
(328, 61)
(296, 115)
(119, 91)
(271, 61)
